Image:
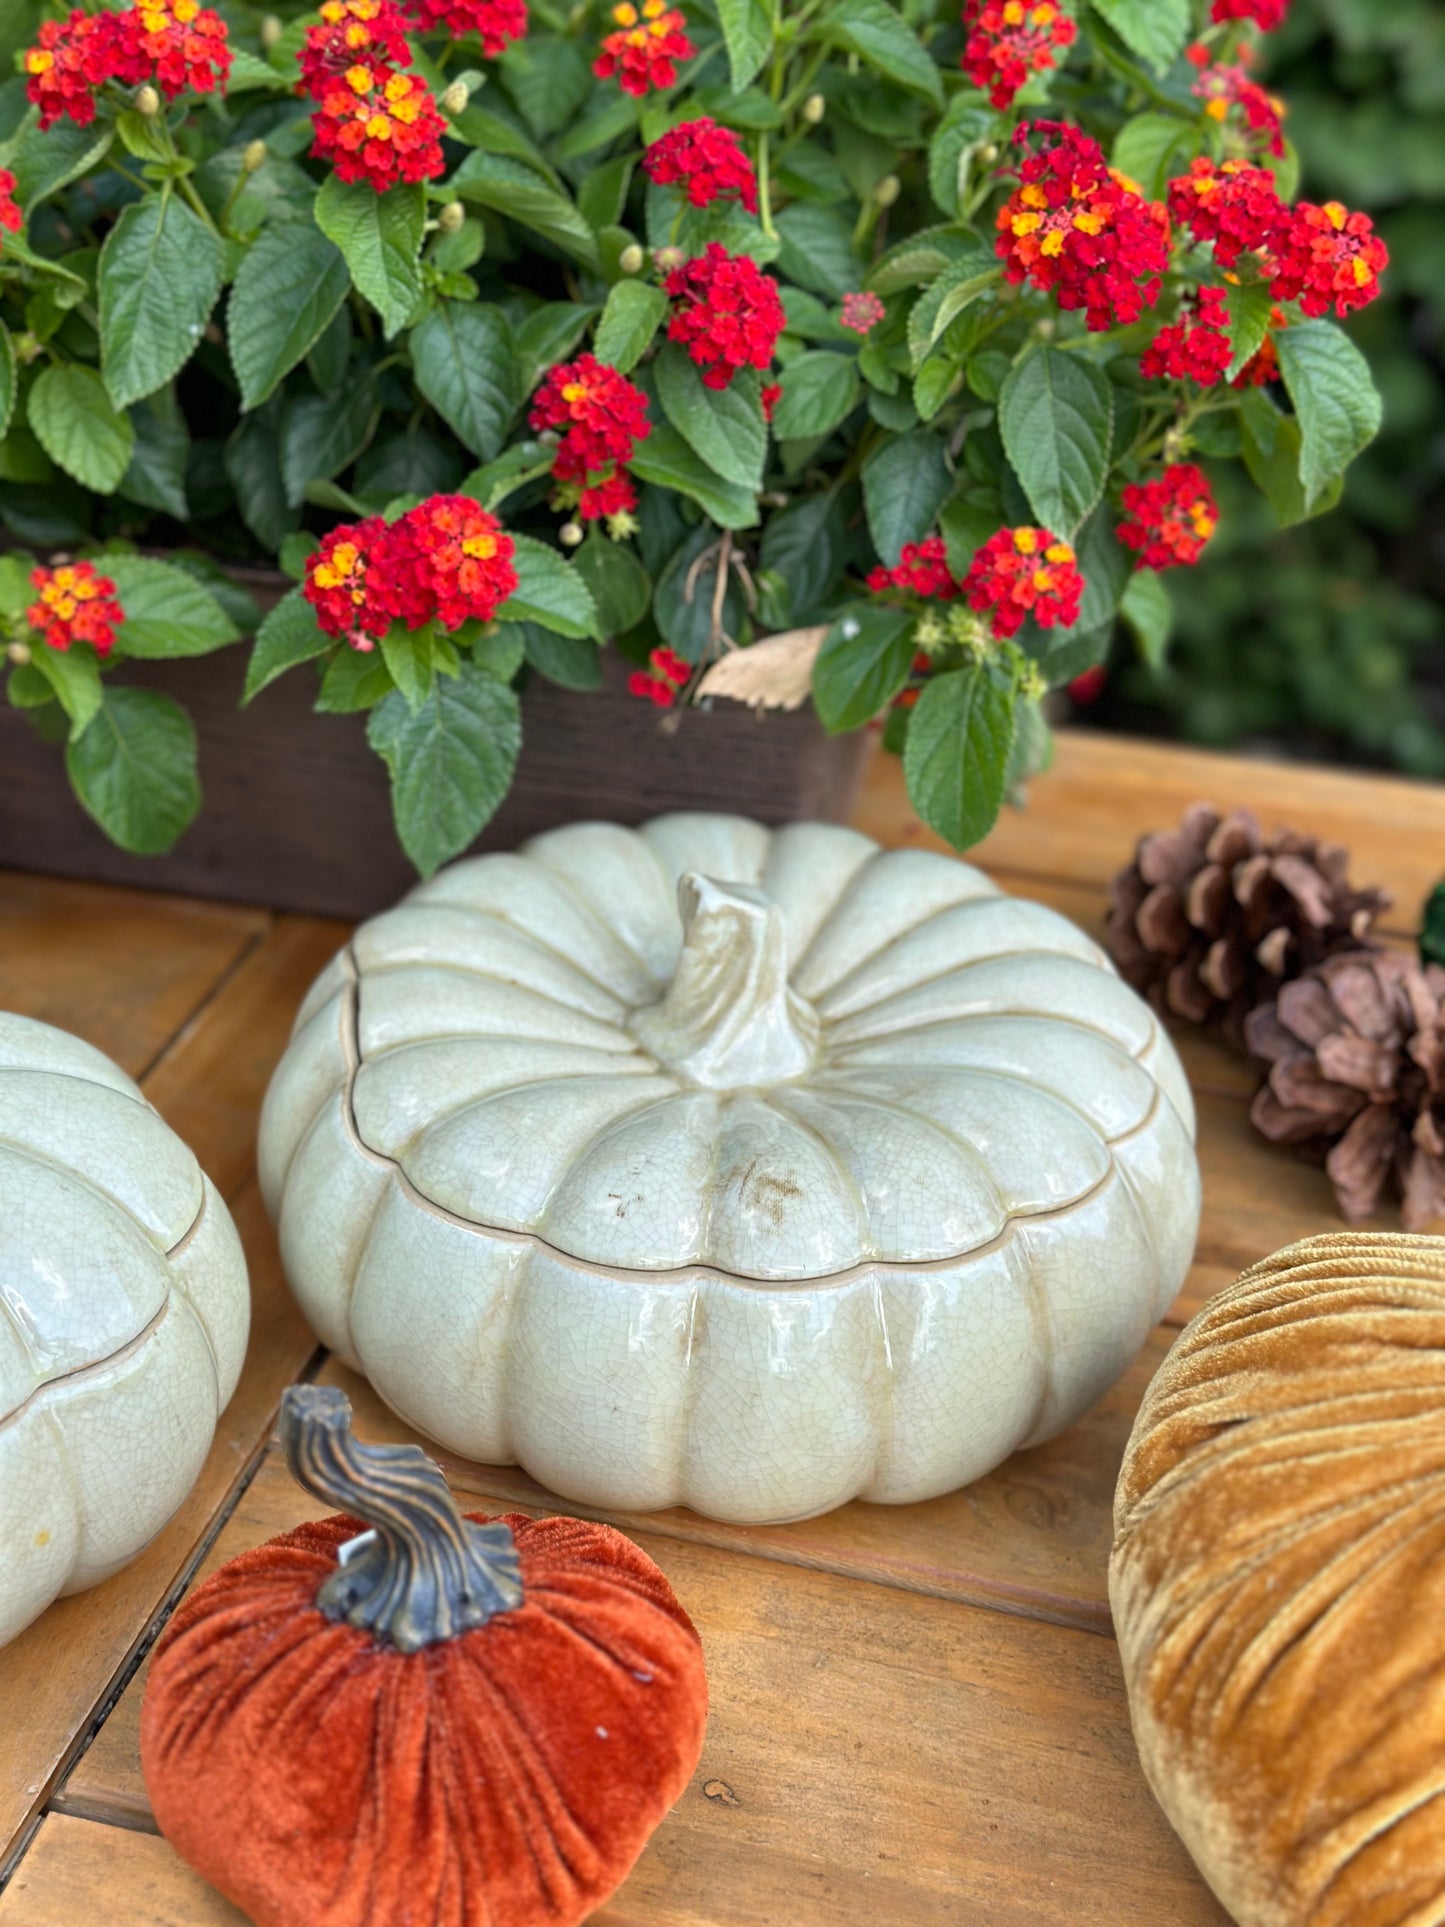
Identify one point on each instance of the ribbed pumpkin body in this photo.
(508, 1777)
(1278, 1585)
(752, 1170)
(123, 1317)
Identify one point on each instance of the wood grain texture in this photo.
(76, 1872)
(937, 1763)
(1103, 793)
(124, 969)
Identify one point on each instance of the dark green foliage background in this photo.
(1329, 639)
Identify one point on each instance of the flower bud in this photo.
(570, 534)
(454, 100)
(271, 31)
(27, 346)
(666, 259)
(988, 153)
(147, 102)
(451, 217)
(253, 157)
(887, 190)
(631, 259)
(814, 108)
(18, 653)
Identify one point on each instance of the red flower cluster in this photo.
(1025, 572)
(707, 160)
(497, 22)
(446, 561)
(1266, 14)
(10, 215)
(1232, 204)
(923, 569)
(862, 312)
(602, 417)
(74, 604)
(1327, 257)
(70, 60)
(1222, 88)
(350, 31)
(669, 677)
(1010, 39)
(376, 125)
(1074, 228)
(1196, 346)
(177, 45)
(1169, 520)
(646, 47)
(728, 315)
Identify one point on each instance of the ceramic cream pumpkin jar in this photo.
(124, 1311)
(750, 1170)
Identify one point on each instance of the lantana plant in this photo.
(899, 340)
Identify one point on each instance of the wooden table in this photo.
(917, 1711)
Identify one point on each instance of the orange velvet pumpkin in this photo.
(446, 1722)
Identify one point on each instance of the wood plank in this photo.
(56, 1674)
(937, 1764)
(1087, 812)
(210, 1081)
(75, 1872)
(124, 969)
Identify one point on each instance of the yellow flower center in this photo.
(1013, 14)
(1033, 196)
(378, 128)
(1052, 243)
(1337, 215)
(481, 548)
(38, 61)
(358, 79)
(1059, 552)
(625, 15)
(1025, 541)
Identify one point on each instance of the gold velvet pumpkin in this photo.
(1278, 1586)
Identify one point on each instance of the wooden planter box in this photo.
(297, 812)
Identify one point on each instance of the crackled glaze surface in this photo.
(753, 1170)
(123, 1318)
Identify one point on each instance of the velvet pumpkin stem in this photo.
(423, 1573)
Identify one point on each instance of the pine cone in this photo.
(1210, 919)
(1356, 1051)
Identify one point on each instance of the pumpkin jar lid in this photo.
(780, 1055)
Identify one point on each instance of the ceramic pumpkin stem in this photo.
(425, 1573)
(729, 1018)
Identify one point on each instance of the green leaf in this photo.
(142, 137)
(74, 678)
(872, 30)
(620, 586)
(494, 481)
(635, 311)
(44, 163)
(724, 426)
(1249, 312)
(965, 527)
(819, 391)
(16, 592)
(862, 665)
(1147, 610)
(354, 680)
(79, 427)
(290, 634)
(451, 761)
(252, 460)
(967, 126)
(9, 380)
(1335, 401)
(548, 78)
(1273, 446)
(295, 551)
(1152, 148)
(156, 477)
(479, 127)
(465, 366)
(167, 612)
(548, 335)
(566, 660)
(818, 251)
(956, 760)
(686, 596)
(806, 546)
(549, 592)
(411, 658)
(921, 258)
(323, 434)
(666, 460)
(287, 289)
(1156, 30)
(134, 769)
(508, 187)
(957, 288)
(380, 235)
(1056, 415)
(748, 37)
(905, 483)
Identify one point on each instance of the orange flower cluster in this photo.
(377, 125)
(372, 31)
(1008, 40)
(646, 47)
(922, 568)
(601, 417)
(446, 561)
(1025, 572)
(74, 604)
(1223, 88)
(1170, 519)
(177, 45)
(496, 22)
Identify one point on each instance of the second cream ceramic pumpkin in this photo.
(751, 1170)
